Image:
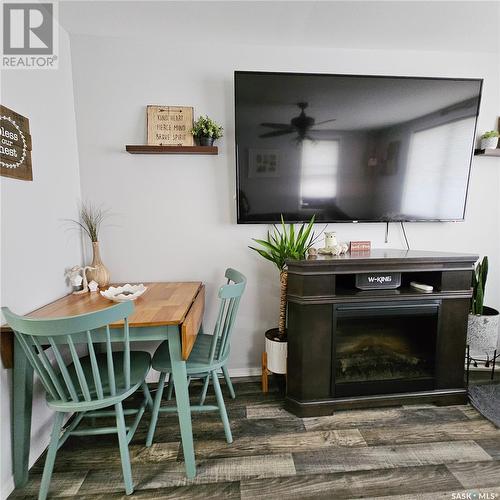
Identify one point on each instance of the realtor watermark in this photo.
(474, 495)
(30, 38)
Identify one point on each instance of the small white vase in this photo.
(490, 143)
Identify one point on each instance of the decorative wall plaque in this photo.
(170, 126)
(15, 145)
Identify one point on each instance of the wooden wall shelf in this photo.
(145, 149)
(487, 152)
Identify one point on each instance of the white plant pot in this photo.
(482, 333)
(490, 143)
(276, 355)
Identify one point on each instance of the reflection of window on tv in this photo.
(318, 173)
(430, 174)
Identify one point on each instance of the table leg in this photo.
(22, 390)
(179, 376)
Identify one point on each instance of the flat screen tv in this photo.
(352, 148)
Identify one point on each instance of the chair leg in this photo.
(204, 390)
(228, 382)
(156, 409)
(222, 407)
(124, 454)
(170, 391)
(147, 395)
(51, 456)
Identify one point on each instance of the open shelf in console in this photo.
(449, 281)
(345, 284)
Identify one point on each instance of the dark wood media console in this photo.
(352, 348)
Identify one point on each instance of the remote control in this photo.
(421, 286)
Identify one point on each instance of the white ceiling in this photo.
(421, 25)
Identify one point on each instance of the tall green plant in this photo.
(280, 246)
(478, 285)
(287, 243)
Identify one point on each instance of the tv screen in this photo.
(353, 148)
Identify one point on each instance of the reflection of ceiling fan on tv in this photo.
(301, 124)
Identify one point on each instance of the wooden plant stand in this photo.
(265, 373)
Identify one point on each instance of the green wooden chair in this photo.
(90, 383)
(209, 355)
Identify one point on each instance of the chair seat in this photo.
(140, 363)
(198, 360)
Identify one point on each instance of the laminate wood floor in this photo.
(409, 452)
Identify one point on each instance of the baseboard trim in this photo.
(245, 372)
(233, 372)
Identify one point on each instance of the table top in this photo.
(160, 305)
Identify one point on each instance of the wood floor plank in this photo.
(367, 484)
(69, 459)
(491, 446)
(212, 491)
(267, 411)
(449, 431)
(383, 457)
(278, 444)
(174, 474)
(384, 417)
(63, 484)
(477, 474)
(212, 428)
(470, 412)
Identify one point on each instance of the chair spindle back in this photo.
(87, 329)
(230, 296)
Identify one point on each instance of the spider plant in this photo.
(281, 245)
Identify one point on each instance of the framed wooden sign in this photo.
(15, 145)
(170, 126)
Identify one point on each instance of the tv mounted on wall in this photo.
(352, 148)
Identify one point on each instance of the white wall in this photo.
(175, 215)
(36, 246)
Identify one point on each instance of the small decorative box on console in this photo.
(360, 246)
(350, 347)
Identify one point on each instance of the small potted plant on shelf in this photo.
(482, 333)
(489, 140)
(279, 247)
(206, 131)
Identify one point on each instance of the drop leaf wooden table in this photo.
(165, 311)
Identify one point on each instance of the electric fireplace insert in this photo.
(383, 347)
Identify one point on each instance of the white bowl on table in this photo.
(124, 293)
